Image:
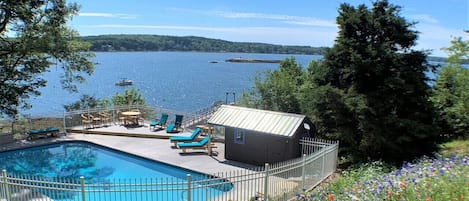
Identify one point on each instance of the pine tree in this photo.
(371, 92)
(451, 92)
(278, 90)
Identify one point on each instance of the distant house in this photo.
(257, 137)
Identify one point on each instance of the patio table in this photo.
(132, 115)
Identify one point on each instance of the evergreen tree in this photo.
(85, 102)
(278, 90)
(129, 97)
(33, 36)
(451, 92)
(370, 91)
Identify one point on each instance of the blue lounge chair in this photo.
(203, 144)
(174, 127)
(176, 139)
(159, 122)
(38, 133)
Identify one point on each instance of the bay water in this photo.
(182, 81)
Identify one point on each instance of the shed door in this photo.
(276, 150)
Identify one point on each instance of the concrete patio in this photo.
(248, 181)
(142, 141)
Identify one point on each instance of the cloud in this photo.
(423, 18)
(438, 32)
(435, 37)
(196, 28)
(108, 15)
(288, 19)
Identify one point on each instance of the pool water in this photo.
(95, 163)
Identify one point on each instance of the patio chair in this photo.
(174, 127)
(176, 139)
(204, 144)
(96, 121)
(39, 133)
(105, 118)
(86, 121)
(159, 122)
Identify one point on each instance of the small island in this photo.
(248, 60)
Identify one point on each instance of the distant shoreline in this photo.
(158, 43)
(143, 42)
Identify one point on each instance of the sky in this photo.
(292, 22)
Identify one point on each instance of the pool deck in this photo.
(153, 145)
(162, 150)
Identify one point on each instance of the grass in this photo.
(456, 147)
(444, 177)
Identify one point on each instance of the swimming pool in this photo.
(96, 164)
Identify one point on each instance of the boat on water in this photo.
(213, 62)
(124, 82)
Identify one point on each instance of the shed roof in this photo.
(277, 123)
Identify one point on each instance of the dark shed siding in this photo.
(260, 148)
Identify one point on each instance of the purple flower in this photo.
(399, 172)
(408, 165)
(442, 172)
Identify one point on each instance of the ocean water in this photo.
(183, 81)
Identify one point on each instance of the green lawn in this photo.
(456, 147)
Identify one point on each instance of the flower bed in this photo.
(428, 179)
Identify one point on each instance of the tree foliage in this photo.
(33, 36)
(278, 90)
(451, 91)
(129, 97)
(370, 90)
(85, 102)
(373, 86)
(189, 43)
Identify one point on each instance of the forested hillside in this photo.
(107, 43)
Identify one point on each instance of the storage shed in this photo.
(257, 137)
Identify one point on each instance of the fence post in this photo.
(82, 182)
(5, 185)
(336, 153)
(303, 174)
(65, 122)
(323, 161)
(188, 187)
(266, 182)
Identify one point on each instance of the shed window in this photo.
(239, 136)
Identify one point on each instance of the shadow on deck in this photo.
(130, 131)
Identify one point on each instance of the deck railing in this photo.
(279, 181)
(201, 116)
(72, 119)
